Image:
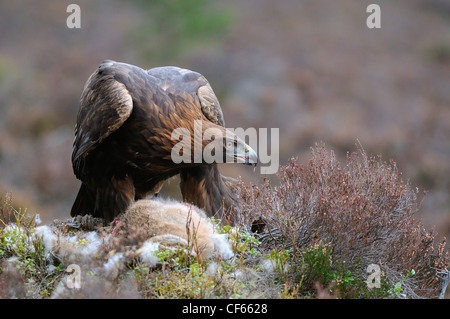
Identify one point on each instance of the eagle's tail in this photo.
(105, 201)
(84, 203)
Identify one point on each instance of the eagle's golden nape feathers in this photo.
(123, 139)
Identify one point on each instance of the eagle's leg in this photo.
(84, 203)
(105, 201)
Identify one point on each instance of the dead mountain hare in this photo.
(172, 225)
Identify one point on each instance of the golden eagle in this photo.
(123, 139)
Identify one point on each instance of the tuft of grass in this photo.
(26, 252)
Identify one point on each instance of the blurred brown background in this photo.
(310, 68)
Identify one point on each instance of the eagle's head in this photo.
(223, 146)
(236, 151)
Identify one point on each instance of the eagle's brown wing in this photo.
(178, 82)
(105, 105)
(210, 105)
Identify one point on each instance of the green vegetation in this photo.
(176, 26)
(26, 253)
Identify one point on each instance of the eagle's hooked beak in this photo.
(251, 158)
(237, 151)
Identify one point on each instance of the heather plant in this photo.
(363, 211)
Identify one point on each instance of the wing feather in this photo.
(210, 105)
(178, 82)
(105, 105)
